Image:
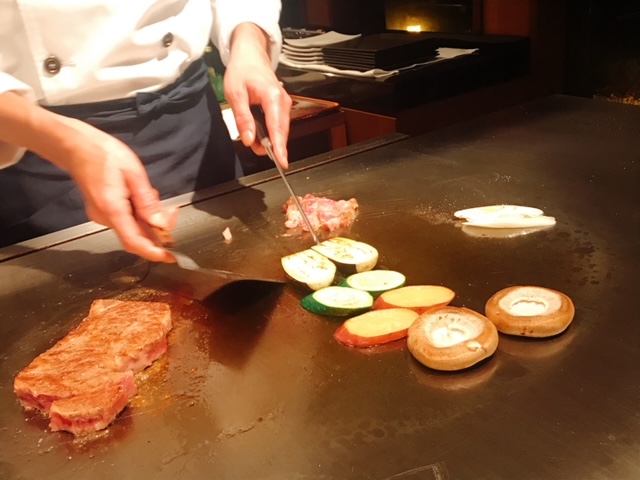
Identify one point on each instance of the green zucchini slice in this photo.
(375, 281)
(350, 256)
(309, 269)
(338, 301)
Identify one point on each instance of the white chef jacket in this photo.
(114, 48)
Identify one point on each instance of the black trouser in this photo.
(177, 132)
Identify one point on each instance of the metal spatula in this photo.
(185, 261)
(166, 240)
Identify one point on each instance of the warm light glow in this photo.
(414, 28)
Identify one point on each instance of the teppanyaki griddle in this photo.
(254, 387)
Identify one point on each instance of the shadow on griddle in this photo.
(459, 380)
(240, 314)
(249, 210)
(532, 348)
(248, 205)
(227, 206)
(239, 296)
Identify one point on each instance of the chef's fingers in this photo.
(276, 105)
(134, 239)
(161, 236)
(238, 98)
(144, 205)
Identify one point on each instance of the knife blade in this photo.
(265, 141)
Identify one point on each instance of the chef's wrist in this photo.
(27, 125)
(58, 140)
(249, 36)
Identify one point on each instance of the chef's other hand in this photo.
(111, 178)
(116, 188)
(250, 80)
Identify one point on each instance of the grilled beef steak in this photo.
(87, 378)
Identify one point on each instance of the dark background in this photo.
(600, 38)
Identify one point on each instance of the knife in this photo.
(265, 141)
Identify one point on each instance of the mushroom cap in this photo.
(530, 311)
(452, 338)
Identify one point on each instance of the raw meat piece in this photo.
(322, 213)
(86, 379)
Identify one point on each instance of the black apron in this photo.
(177, 132)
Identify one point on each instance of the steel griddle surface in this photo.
(254, 387)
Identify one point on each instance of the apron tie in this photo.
(177, 97)
(148, 102)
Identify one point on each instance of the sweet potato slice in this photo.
(420, 298)
(375, 327)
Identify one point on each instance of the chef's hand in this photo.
(110, 176)
(116, 189)
(249, 80)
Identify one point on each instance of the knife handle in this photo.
(261, 123)
(162, 237)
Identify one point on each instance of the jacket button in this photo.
(167, 40)
(52, 64)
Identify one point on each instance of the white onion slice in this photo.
(513, 222)
(483, 232)
(505, 216)
(491, 211)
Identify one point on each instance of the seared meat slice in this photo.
(93, 411)
(59, 373)
(86, 379)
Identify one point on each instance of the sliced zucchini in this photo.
(349, 255)
(375, 281)
(338, 301)
(309, 269)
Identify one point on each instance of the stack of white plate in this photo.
(308, 51)
(303, 55)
